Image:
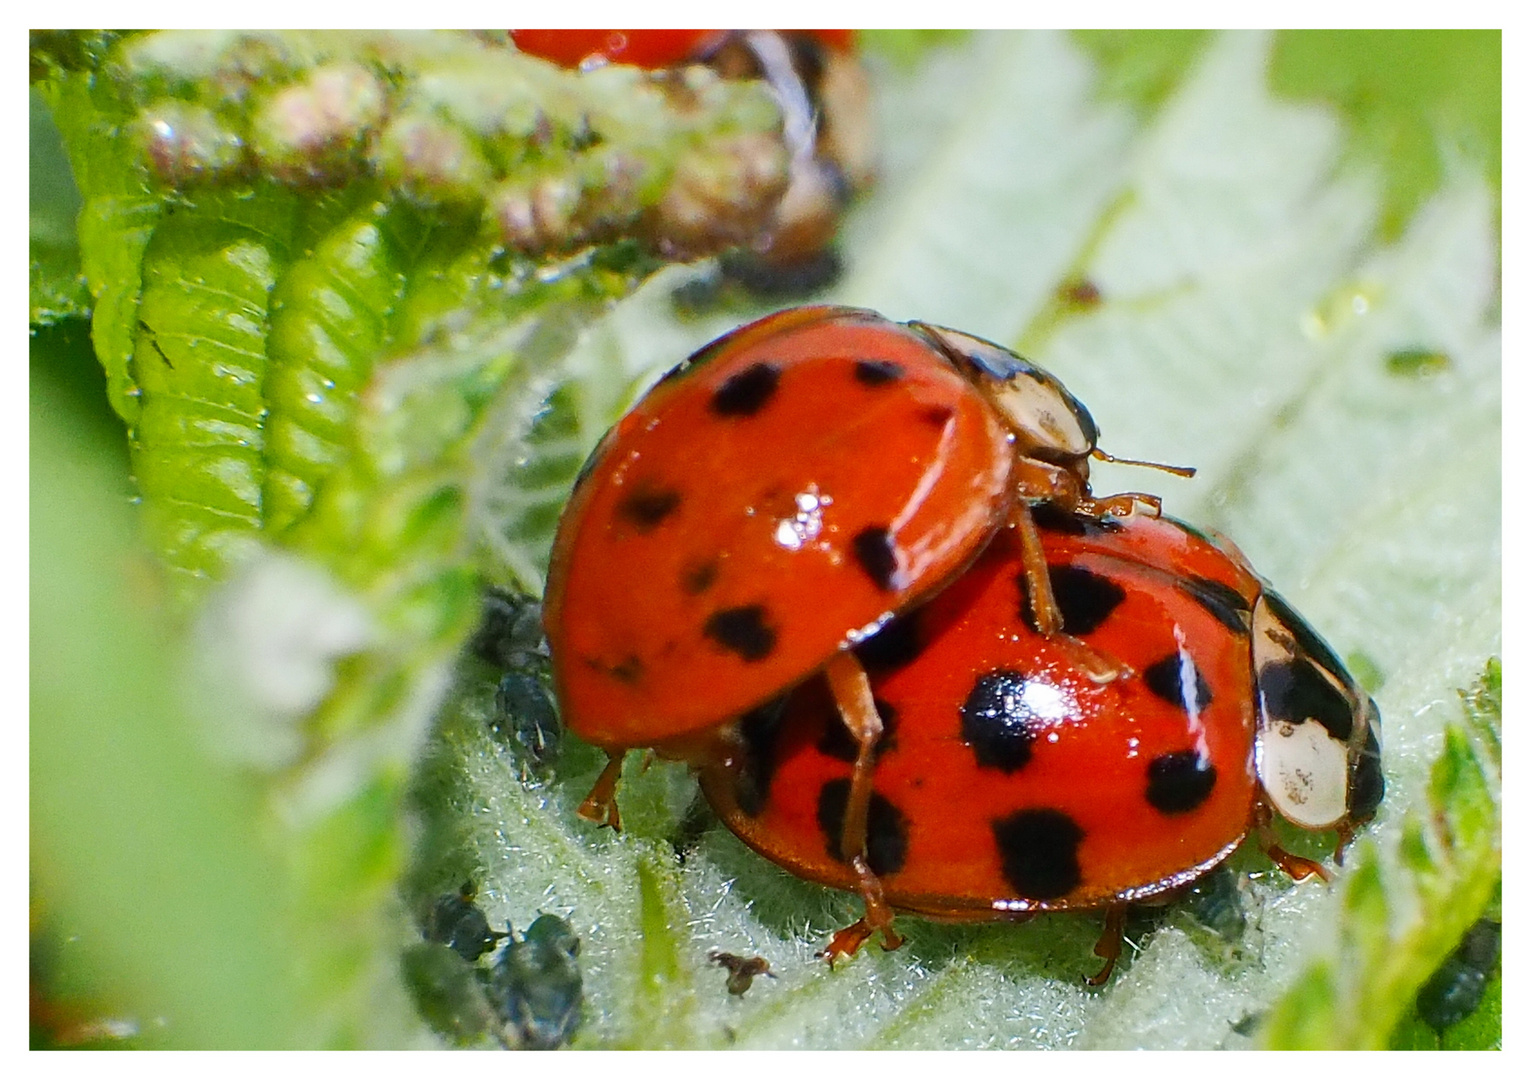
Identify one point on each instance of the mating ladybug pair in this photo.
(852, 571)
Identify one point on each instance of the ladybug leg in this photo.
(1344, 833)
(1044, 606)
(853, 697)
(878, 919)
(1039, 587)
(600, 806)
(1123, 505)
(1109, 947)
(1296, 867)
(846, 942)
(879, 916)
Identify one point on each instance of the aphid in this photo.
(536, 986)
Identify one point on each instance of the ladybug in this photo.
(652, 49)
(825, 101)
(775, 500)
(1007, 782)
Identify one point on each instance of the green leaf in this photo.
(1417, 100)
(146, 868)
(1142, 67)
(56, 283)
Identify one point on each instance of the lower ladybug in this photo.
(1007, 782)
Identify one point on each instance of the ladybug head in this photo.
(1049, 423)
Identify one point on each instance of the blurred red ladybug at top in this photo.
(826, 117)
(653, 49)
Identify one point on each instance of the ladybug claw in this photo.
(1099, 667)
(1295, 866)
(1109, 946)
(1101, 977)
(603, 812)
(600, 806)
(846, 942)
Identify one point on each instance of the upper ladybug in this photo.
(775, 500)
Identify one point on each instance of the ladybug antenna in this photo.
(1178, 470)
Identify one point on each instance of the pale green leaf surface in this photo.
(1247, 318)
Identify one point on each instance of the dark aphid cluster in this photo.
(510, 637)
(1454, 991)
(458, 923)
(528, 996)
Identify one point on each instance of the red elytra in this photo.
(1006, 782)
(652, 49)
(795, 483)
(642, 48)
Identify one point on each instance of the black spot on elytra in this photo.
(1166, 678)
(758, 732)
(877, 372)
(877, 555)
(698, 577)
(1180, 781)
(1225, 603)
(1050, 518)
(1085, 598)
(837, 742)
(887, 828)
(646, 507)
(894, 646)
(937, 416)
(628, 671)
(1295, 690)
(743, 631)
(1039, 852)
(746, 393)
(1366, 783)
(997, 722)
